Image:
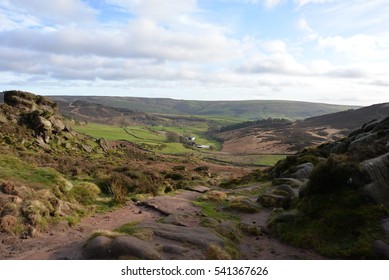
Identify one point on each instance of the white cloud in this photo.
(167, 10)
(58, 11)
(304, 26)
(301, 3)
(270, 4)
(279, 63)
(174, 46)
(357, 48)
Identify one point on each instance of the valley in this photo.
(132, 178)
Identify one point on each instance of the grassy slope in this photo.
(253, 109)
(151, 136)
(11, 168)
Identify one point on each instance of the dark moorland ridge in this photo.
(282, 136)
(350, 119)
(252, 109)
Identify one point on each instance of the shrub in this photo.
(215, 252)
(172, 137)
(37, 213)
(8, 187)
(174, 176)
(85, 192)
(332, 175)
(201, 169)
(179, 168)
(7, 223)
(214, 196)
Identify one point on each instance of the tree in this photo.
(172, 137)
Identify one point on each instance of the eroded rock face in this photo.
(378, 171)
(303, 171)
(28, 101)
(35, 112)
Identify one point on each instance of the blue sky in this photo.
(332, 51)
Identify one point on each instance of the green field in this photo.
(149, 137)
(248, 159)
(154, 138)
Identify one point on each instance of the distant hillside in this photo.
(250, 110)
(279, 136)
(350, 119)
(1, 97)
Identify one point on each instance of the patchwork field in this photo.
(150, 137)
(154, 138)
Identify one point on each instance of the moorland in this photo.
(136, 178)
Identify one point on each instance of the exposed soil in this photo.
(66, 243)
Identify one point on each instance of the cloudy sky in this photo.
(333, 51)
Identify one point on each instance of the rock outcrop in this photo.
(344, 190)
(378, 171)
(121, 247)
(35, 112)
(163, 241)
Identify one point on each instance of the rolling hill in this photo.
(350, 119)
(249, 110)
(290, 137)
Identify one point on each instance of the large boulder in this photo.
(363, 139)
(28, 102)
(57, 124)
(98, 248)
(199, 189)
(131, 247)
(3, 119)
(381, 249)
(199, 236)
(377, 170)
(303, 171)
(21, 100)
(274, 201)
(286, 189)
(385, 226)
(102, 247)
(41, 124)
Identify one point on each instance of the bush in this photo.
(8, 187)
(7, 223)
(85, 192)
(174, 176)
(215, 252)
(332, 175)
(172, 137)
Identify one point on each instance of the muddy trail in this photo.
(181, 220)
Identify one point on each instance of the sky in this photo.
(330, 51)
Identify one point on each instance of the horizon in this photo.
(320, 51)
(196, 100)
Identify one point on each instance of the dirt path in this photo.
(66, 243)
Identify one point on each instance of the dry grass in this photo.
(214, 196)
(215, 252)
(7, 223)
